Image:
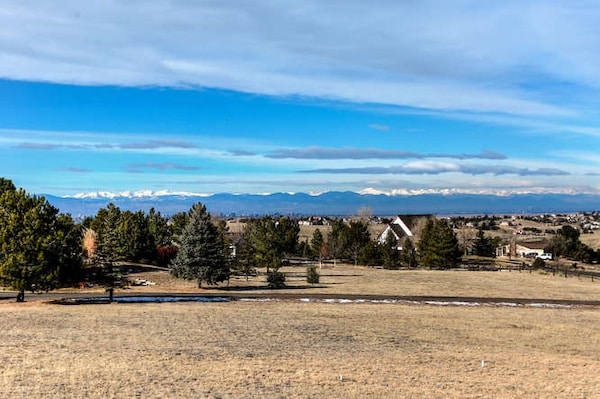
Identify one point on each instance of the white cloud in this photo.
(328, 153)
(504, 57)
(377, 126)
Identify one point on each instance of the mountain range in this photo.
(331, 203)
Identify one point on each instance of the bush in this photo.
(275, 279)
(538, 263)
(312, 275)
(165, 254)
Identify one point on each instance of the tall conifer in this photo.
(200, 256)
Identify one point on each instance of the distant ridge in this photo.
(332, 203)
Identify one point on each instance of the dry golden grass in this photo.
(292, 349)
(297, 350)
(592, 240)
(360, 280)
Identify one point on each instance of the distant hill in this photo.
(335, 203)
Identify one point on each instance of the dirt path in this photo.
(73, 298)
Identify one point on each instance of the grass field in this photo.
(291, 349)
(360, 280)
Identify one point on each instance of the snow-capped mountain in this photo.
(330, 203)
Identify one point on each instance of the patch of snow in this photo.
(549, 305)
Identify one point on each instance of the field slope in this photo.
(294, 349)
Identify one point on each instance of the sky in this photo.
(262, 96)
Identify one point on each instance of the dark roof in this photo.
(534, 244)
(398, 230)
(415, 223)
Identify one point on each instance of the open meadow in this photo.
(295, 349)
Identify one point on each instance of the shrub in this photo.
(538, 263)
(165, 254)
(275, 279)
(312, 275)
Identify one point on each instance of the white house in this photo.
(404, 226)
(524, 249)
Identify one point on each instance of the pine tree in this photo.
(271, 239)
(107, 226)
(316, 245)
(244, 261)
(358, 237)
(159, 228)
(408, 256)
(427, 253)
(438, 246)
(391, 255)
(35, 242)
(337, 239)
(448, 249)
(483, 246)
(200, 256)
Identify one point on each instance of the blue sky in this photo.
(260, 97)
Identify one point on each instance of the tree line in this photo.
(567, 243)
(39, 247)
(42, 249)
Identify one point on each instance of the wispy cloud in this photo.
(45, 146)
(241, 153)
(370, 153)
(436, 168)
(76, 170)
(376, 126)
(141, 167)
(450, 56)
(143, 145)
(155, 144)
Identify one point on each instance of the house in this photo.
(403, 226)
(523, 249)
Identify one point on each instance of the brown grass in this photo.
(592, 240)
(291, 349)
(297, 350)
(360, 280)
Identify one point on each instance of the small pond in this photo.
(213, 299)
(141, 299)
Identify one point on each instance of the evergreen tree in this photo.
(566, 242)
(178, 223)
(484, 246)
(6, 185)
(200, 256)
(438, 246)
(271, 239)
(312, 275)
(426, 245)
(408, 255)
(316, 245)
(34, 240)
(391, 255)
(244, 261)
(264, 240)
(135, 241)
(337, 239)
(65, 252)
(159, 228)
(106, 225)
(357, 237)
(371, 254)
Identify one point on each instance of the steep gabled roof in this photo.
(414, 223)
(406, 226)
